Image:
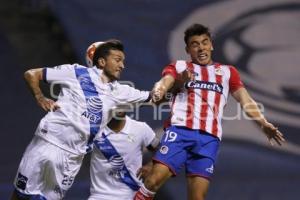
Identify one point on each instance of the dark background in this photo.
(261, 38)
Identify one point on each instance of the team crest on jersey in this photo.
(130, 138)
(21, 181)
(218, 71)
(164, 149)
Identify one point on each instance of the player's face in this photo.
(200, 49)
(119, 115)
(114, 64)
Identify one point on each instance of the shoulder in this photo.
(226, 69)
(121, 88)
(178, 65)
(175, 68)
(68, 66)
(227, 66)
(138, 125)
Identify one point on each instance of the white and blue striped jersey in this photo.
(116, 159)
(85, 106)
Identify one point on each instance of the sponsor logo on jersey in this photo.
(21, 181)
(104, 147)
(164, 149)
(92, 117)
(203, 85)
(94, 104)
(94, 107)
(117, 164)
(86, 83)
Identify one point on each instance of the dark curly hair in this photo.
(196, 29)
(103, 50)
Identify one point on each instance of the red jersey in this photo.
(199, 104)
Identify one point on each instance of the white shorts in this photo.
(46, 170)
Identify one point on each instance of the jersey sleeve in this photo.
(235, 81)
(149, 135)
(61, 73)
(127, 94)
(170, 70)
(175, 69)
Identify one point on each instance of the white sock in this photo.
(147, 192)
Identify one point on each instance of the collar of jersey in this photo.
(98, 72)
(213, 64)
(125, 129)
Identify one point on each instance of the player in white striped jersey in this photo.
(192, 139)
(117, 158)
(66, 133)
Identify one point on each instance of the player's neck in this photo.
(117, 125)
(105, 78)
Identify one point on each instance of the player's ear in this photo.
(186, 49)
(101, 62)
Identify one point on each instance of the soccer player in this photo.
(117, 158)
(193, 137)
(53, 158)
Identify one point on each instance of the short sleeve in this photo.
(174, 69)
(149, 134)
(170, 70)
(127, 94)
(61, 73)
(235, 81)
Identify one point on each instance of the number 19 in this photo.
(170, 136)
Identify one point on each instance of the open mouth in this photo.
(202, 56)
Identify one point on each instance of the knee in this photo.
(157, 177)
(152, 183)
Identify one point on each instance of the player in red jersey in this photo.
(192, 140)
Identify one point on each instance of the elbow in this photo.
(33, 74)
(28, 74)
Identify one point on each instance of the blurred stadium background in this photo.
(261, 38)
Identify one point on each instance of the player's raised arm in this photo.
(252, 110)
(173, 74)
(162, 87)
(33, 78)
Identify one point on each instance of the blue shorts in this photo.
(194, 149)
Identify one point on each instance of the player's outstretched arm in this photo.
(252, 110)
(162, 87)
(33, 78)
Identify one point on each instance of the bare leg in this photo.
(158, 176)
(197, 187)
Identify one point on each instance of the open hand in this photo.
(272, 133)
(47, 104)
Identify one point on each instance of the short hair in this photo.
(196, 29)
(102, 50)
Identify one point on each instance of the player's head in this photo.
(198, 42)
(108, 56)
(119, 114)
